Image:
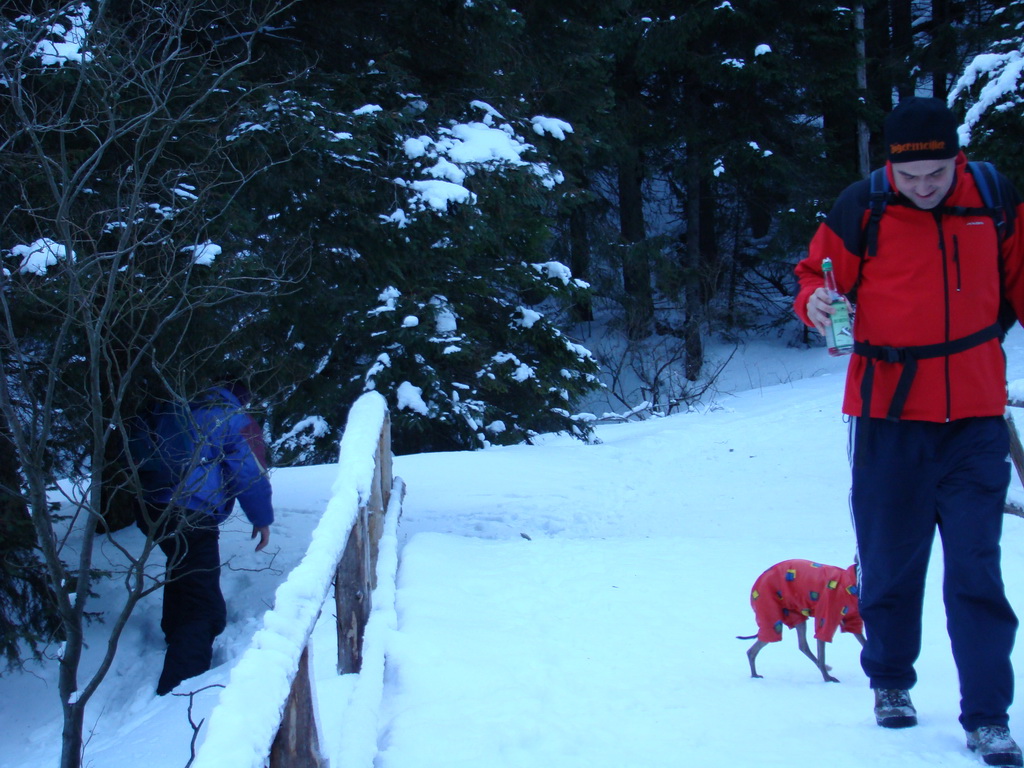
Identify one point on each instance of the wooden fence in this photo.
(1016, 455)
(347, 538)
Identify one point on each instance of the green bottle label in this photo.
(839, 335)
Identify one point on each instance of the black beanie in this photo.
(921, 129)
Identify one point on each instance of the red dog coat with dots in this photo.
(793, 591)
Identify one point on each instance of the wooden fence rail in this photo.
(347, 538)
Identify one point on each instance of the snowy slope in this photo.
(576, 605)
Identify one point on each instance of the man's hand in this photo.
(264, 534)
(819, 309)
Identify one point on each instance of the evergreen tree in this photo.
(730, 88)
(990, 93)
(426, 273)
(430, 278)
(28, 616)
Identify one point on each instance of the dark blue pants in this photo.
(909, 480)
(194, 611)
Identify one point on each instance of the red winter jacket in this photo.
(935, 278)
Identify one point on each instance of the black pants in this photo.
(909, 480)
(194, 611)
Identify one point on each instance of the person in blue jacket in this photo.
(184, 520)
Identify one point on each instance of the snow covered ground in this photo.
(566, 605)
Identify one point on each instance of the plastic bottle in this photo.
(838, 335)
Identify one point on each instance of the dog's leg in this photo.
(752, 655)
(801, 639)
(819, 660)
(822, 666)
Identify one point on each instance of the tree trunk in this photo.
(636, 268)
(942, 51)
(902, 49)
(879, 54)
(710, 272)
(71, 745)
(579, 261)
(119, 502)
(863, 132)
(693, 342)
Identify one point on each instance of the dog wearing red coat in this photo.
(793, 591)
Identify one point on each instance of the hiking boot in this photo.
(893, 708)
(994, 745)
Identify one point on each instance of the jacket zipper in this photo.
(956, 260)
(945, 296)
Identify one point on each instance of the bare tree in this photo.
(648, 377)
(122, 154)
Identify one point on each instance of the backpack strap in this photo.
(985, 179)
(987, 182)
(908, 357)
(879, 195)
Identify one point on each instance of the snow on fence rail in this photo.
(265, 713)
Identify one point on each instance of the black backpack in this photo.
(880, 193)
(991, 191)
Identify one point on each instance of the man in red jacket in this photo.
(926, 392)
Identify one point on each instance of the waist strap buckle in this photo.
(891, 354)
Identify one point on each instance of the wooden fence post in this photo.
(380, 495)
(357, 571)
(296, 744)
(1017, 457)
(352, 595)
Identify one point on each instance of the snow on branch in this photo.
(65, 43)
(488, 145)
(1002, 73)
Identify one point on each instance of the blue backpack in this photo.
(164, 445)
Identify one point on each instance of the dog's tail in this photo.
(745, 637)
